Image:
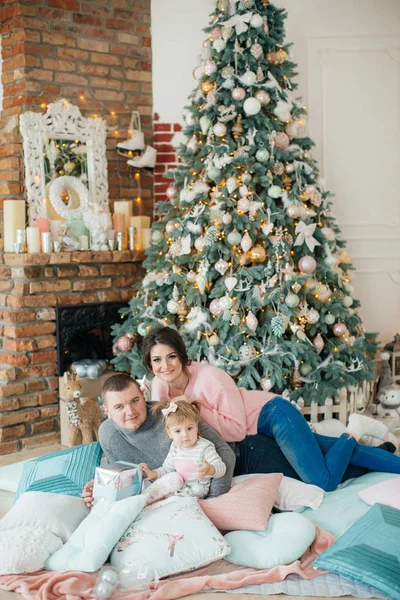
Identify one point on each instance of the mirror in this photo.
(65, 163)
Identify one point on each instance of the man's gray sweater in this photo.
(150, 444)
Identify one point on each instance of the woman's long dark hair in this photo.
(168, 337)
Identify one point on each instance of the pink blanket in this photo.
(221, 575)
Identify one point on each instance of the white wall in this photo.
(348, 56)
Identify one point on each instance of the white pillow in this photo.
(292, 494)
(170, 537)
(89, 546)
(58, 514)
(25, 549)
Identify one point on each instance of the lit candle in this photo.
(14, 218)
(33, 239)
(139, 223)
(146, 238)
(124, 207)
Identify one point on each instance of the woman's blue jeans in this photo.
(316, 459)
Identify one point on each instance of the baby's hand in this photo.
(205, 470)
(150, 473)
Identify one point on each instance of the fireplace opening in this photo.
(84, 331)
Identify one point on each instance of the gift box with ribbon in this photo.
(117, 480)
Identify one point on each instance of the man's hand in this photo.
(88, 493)
(150, 474)
(205, 470)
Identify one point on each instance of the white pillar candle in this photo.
(139, 223)
(146, 238)
(14, 218)
(84, 241)
(33, 239)
(124, 207)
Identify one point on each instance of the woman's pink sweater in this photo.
(231, 410)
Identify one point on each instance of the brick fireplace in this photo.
(31, 286)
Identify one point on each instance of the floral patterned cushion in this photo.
(167, 538)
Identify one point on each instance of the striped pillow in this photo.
(369, 551)
(62, 472)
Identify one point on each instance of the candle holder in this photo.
(56, 246)
(47, 244)
(131, 237)
(111, 244)
(20, 239)
(120, 240)
(18, 248)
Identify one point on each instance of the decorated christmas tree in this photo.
(246, 259)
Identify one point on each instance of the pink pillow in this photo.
(246, 505)
(384, 492)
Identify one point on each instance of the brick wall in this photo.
(94, 53)
(31, 286)
(167, 158)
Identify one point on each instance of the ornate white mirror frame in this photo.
(63, 121)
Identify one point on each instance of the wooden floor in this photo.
(26, 454)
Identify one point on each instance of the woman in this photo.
(236, 413)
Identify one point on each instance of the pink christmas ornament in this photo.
(215, 308)
(221, 266)
(318, 343)
(340, 329)
(219, 129)
(171, 192)
(215, 34)
(307, 264)
(293, 211)
(238, 94)
(124, 344)
(246, 242)
(282, 140)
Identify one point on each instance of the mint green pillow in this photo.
(63, 472)
(286, 538)
(369, 551)
(343, 507)
(89, 546)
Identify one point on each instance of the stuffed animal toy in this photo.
(84, 413)
(389, 406)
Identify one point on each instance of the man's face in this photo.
(127, 409)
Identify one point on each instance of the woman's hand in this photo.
(151, 474)
(88, 493)
(205, 470)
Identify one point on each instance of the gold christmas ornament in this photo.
(287, 181)
(237, 128)
(182, 310)
(296, 379)
(207, 86)
(281, 56)
(258, 254)
(271, 57)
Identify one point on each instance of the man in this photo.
(133, 434)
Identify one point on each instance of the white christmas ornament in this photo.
(256, 21)
(210, 67)
(221, 266)
(200, 243)
(267, 228)
(251, 106)
(348, 301)
(282, 111)
(330, 319)
(227, 218)
(191, 276)
(225, 303)
(192, 144)
(248, 79)
(243, 205)
(201, 281)
(246, 242)
(275, 191)
(305, 234)
(266, 384)
(172, 307)
(213, 340)
(312, 316)
(251, 321)
(262, 155)
(219, 45)
(231, 184)
(230, 283)
(246, 353)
